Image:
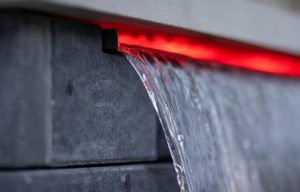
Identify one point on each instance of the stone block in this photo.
(133, 178)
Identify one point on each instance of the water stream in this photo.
(224, 128)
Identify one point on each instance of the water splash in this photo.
(216, 124)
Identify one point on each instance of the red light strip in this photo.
(208, 49)
(219, 51)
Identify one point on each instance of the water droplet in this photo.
(180, 137)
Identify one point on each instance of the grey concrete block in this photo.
(64, 101)
(101, 111)
(25, 121)
(133, 178)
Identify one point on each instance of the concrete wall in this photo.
(68, 109)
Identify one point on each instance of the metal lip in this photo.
(239, 20)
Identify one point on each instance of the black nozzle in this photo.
(110, 43)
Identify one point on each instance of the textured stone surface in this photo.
(133, 178)
(64, 101)
(25, 121)
(101, 110)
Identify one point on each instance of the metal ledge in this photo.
(240, 20)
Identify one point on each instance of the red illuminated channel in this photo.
(204, 48)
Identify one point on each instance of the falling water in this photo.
(227, 130)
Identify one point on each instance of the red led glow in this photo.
(205, 48)
(228, 53)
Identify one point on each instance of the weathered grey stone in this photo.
(133, 178)
(64, 101)
(25, 120)
(101, 111)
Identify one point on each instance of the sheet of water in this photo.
(227, 130)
